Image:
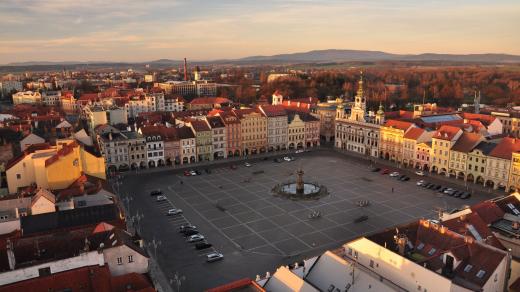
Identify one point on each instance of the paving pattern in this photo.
(237, 213)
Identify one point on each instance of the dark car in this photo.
(375, 169)
(465, 195)
(431, 186)
(190, 232)
(156, 193)
(198, 172)
(208, 171)
(401, 177)
(426, 185)
(361, 219)
(456, 194)
(203, 245)
(406, 178)
(437, 187)
(277, 160)
(186, 227)
(443, 189)
(385, 171)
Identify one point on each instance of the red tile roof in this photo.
(273, 110)
(462, 224)
(64, 151)
(210, 100)
(505, 148)
(398, 125)
(467, 142)
(414, 133)
(199, 125)
(484, 119)
(488, 211)
(31, 149)
(446, 132)
(239, 285)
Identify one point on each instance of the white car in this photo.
(247, 164)
(394, 174)
(193, 172)
(195, 238)
(160, 198)
(174, 212)
(214, 256)
(421, 182)
(419, 173)
(299, 151)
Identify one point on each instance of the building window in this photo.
(119, 260)
(130, 259)
(371, 263)
(18, 176)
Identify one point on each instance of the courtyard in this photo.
(256, 231)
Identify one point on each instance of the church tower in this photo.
(380, 115)
(277, 98)
(358, 111)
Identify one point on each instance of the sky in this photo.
(145, 30)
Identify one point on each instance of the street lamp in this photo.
(155, 244)
(127, 199)
(137, 218)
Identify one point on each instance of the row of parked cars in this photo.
(189, 231)
(397, 175)
(444, 190)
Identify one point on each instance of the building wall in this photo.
(476, 166)
(83, 260)
(391, 143)
(63, 172)
(441, 155)
(41, 206)
(92, 165)
(138, 263)
(398, 269)
(514, 172)
(312, 134)
(10, 226)
(423, 155)
(296, 133)
(253, 132)
(497, 171)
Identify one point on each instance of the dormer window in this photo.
(420, 246)
(480, 274)
(468, 268)
(432, 251)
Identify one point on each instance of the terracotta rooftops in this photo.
(446, 132)
(273, 110)
(31, 149)
(505, 148)
(185, 133)
(215, 122)
(210, 100)
(466, 142)
(199, 125)
(414, 133)
(404, 126)
(429, 241)
(64, 151)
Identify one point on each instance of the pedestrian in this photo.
(392, 190)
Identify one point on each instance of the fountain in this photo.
(300, 190)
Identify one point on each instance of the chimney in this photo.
(10, 255)
(447, 269)
(515, 225)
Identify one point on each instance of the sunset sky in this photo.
(128, 30)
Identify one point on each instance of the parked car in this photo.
(456, 193)
(214, 256)
(447, 190)
(406, 178)
(174, 211)
(160, 198)
(421, 183)
(156, 193)
(465, 195)
(195, 238)
(437, 187)
(450, 192)
(233, 167)
(186, 227)
(193, 173)
(299, 151)
(385, 171)
(375, 169)
(443, 189)
(198, 172)
(420, 173)
(394, 174)
(203, 245)
(190, 232)
(431, 186)
(187, 173)
(288, 158)
(247, 164)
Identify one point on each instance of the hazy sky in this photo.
(128, 30)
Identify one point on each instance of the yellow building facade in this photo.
(56, 167)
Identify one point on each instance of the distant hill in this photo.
(316, 56)
(359, 55)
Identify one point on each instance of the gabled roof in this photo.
(102, 227)
(185, 133)
(414, 133)
(466, 142)
(446, 132)
(505, 148)
(199, 125)
(43, 193)
(273, 110)
(404, 126)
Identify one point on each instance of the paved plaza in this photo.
(236, 211)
